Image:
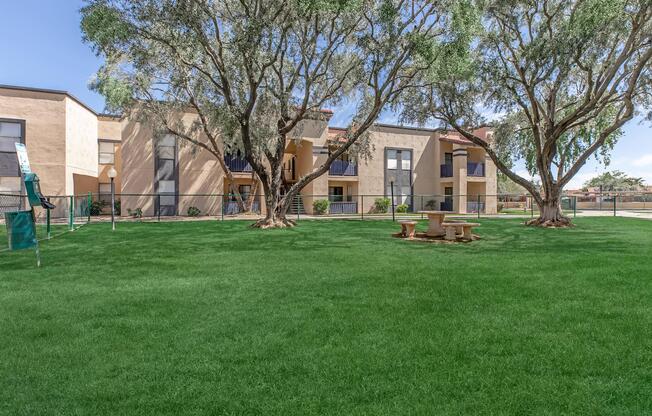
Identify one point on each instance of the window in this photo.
(107, 153)
(336, 193)
(11, 132)
(448, 159)
(105, 193)
(244, 191)
(166, 174)
(399, 173)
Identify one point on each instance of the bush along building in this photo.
(73, 148)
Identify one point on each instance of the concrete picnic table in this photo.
(435, 219)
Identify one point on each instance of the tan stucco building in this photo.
(72, 148)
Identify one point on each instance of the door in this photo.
(447, 205)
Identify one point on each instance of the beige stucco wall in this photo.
(109, 128)
(45, 122)
(422, 143)
(137, 178)
(81, 144)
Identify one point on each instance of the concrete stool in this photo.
(407, 228)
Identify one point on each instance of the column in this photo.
(459, 178)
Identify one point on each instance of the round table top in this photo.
(437, 212)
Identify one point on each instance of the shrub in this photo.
(135, 213)
(96, 207)
(431, 204)
(320, 206)
(193, 212)
(381, 205)
(117, 206)
(501, 206)
(402, 208)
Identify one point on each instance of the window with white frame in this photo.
(107, 153)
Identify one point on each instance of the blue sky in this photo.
(41, 46)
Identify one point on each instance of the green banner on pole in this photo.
(21, 230)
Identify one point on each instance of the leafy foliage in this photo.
(255, 76)
(381, 205)
(320, 206)
(561, 76)
(615, 181)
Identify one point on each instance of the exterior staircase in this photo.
(297, 206)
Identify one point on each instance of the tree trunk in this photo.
(275, 205)
(550, 213)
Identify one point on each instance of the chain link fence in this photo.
(81, 209)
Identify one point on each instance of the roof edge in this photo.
(50, 91)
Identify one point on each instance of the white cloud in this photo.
(645, 160)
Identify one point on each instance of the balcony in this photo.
(237, 164)
(343, 168)
(475, 169)
(446, 171)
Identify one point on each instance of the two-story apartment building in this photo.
(72, 148)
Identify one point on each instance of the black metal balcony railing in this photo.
(343, 168)
(237, 164)
(344, 207)
(472, 169)
(475, 169)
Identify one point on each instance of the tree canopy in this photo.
(565, 75)
(615, 181)
(254, 71)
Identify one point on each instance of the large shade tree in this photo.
(565, 74)
(255, 71)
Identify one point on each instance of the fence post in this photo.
(71, 213)
(298, 198)
(88, 205)
(531, 206)
(393, 215)
(48, 227)
(158, 206)
(479, 205)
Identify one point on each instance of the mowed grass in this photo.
(329, 318)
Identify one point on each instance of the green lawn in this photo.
(332, 317)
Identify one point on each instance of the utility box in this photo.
(21, 230)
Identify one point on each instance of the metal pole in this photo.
(71, 213)
(479, 206)
(88, 206)
(615, 204)
(574, 206)
(112, 205)
(362, 207)
(297, 198)
(421, 206)
(36, 249)
(47, 219)
(392, 186)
